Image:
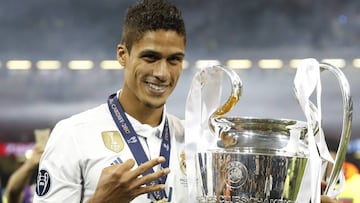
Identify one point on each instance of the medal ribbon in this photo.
(132, 140)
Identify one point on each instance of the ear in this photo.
(121, 54)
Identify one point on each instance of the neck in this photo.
(140, 112)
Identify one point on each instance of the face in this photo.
(153, 67)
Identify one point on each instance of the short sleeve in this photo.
(59, 177)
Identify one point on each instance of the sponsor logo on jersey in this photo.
(116, 161)
(43, 182)
(113, 140)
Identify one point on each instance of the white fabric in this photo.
(203, 99)
(306, 81)
(75, 156)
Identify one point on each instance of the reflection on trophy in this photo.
(254, 160)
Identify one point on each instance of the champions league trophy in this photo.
(264, 160)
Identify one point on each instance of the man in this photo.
(20, 187)
(122, 151)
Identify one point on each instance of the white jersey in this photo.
(81, 146)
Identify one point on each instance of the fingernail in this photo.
(167, 170)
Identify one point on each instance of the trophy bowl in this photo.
(262, 164)
(261, 159)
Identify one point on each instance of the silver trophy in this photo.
(253, 160)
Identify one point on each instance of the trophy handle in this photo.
(346, 126)
(236, 88)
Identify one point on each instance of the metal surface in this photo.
(233, 172)
(347, 122)
(244, 176)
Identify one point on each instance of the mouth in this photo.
(156, 88)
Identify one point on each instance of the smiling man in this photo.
(152, 69)
(122, 151)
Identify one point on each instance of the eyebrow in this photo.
(147, 51)
(178, 54)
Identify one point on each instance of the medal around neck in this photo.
(250, 159)
(161, 201)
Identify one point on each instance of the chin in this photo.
(154, 105)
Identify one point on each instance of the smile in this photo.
(157, 88)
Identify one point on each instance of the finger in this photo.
(146, 183)
(148, 165)
(326, 199)
(148, 189)
(323, 186)
(126, 166)
(150, 178)
(127, 175)
(119, 170)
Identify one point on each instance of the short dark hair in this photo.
(151, 15)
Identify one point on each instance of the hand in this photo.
(34, 159)
(119, 183)
(324, 198)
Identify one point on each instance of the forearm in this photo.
(19, 180)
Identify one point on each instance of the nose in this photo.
(161, 71)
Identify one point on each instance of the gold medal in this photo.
(161, 201)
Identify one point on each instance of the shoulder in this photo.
(81, 124)
(91, 115)
(175, 121)
(77, 132)
(87, 117)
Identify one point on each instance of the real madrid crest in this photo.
(182, 162)
(113, 140)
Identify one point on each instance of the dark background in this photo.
(251, 29)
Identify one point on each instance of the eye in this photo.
(174, 60)
(150, 58)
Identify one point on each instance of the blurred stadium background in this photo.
(57, 59)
